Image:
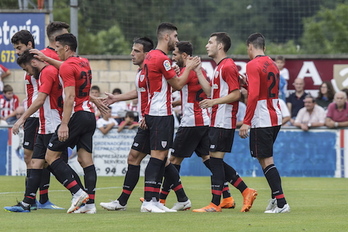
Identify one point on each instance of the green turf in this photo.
(317, 204)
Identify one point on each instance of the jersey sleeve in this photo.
(253, 91)
(67, 73)
(166, 68)
(47, 82)
(230, 76)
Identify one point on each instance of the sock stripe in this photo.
(72, 184)
(235, 184)
(279, 196)
(164, 192)
(128, 192)
(44, 191)
(91, 196)
(151, 189)
(178, 187)
(216, 192)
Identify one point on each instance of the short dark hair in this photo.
(25, 58)
(55, 27)
(310, 96)
(24, 37)
(130, 114)
(7, 88)
(95, 87)
(117, 90)
(224, 38)
(69, 40)
(185, 46)
(257, 40)
(146, 42)
(165, 27)
(281, 58)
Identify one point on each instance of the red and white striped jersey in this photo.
(224, 81)
(143, 95)
(191, 95)
(3, 70)
(7, 106)
(263, 109)
(157, 70)
(76, 71)
(31, 90)
(50, 52)
(50, 113)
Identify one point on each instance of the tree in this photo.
(327, 31)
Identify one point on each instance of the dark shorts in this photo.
(191, 139)
(31, 127)
(161, 131)
(262, 140)
(40, 147)
(82, 126)
(221, 139)
(141, 141)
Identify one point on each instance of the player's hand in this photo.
(206, 103)
(192, 62)
(38, 54)
(142, 124)
(176, 69)
(109, 99)
(242, 80)
(244, 131)
(100, 105)
(16, 126)
(63, 132)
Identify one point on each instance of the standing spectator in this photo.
(129, 120)
(119, 108)
(8, 104)
(325, 95)
(283, 78)
(106, 122)
(311, 115)
(337, 112)
(295, 100)
(4, 72)
(263, 117)
(224, 92)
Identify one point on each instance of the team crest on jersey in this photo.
(167, 65)
(142, 78)
(164, 143)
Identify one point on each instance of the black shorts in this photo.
(31, 127)
(161, 131)
(141, 141)
(221, 139)
(190, 139)
(261, 141)
(40, 147)
(82, 126)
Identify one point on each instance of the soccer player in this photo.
(21, 41)
(263, 117)
(224, 94)
(49, 104)
(192, 134)
(77, 126)
(161, 77)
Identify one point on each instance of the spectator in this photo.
(8, 103)
(95, 92)
(129, 120)
(337, 112)
(325, 95)
(118, 109)
(345, 90)
(311, 115)
(295, 101)
(106, 122)
(284, 77)
(4, 72)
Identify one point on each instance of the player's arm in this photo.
(39, 55)
(98, 102)
(120, 97)
(6, 74)
(179, 82)
(63, 131)
(203, 80)
(231, 97)
(37, 103)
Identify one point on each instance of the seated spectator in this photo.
(337, 112)
(311, 115)
(285, 112)
(106, 122)
(129, 120)
(4, 72)
(95, 92)
(325, 95)
(8, 103)
(295, 100)
(118, 109)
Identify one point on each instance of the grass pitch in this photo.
(317, 204)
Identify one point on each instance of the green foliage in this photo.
(327, 31)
